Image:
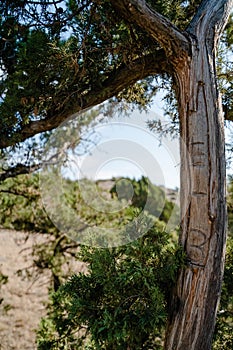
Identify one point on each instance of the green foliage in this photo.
(120, 302)
(179, 12)
(118, 282)
(3, 280)
(143, 193)
(223, 332)
(230, 206)
(145, 196)
(50, 71)
(21, 207)
(53, 53)
(225, 67)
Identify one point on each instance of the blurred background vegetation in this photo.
(122, 299)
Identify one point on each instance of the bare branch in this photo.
(121, 78)
(174, 42)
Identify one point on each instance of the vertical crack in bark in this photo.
(203, 233)
(198, 286)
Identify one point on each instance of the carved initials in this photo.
(196, 246)
(198, 154)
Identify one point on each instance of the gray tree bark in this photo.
(203, 210)
(203, 226)
(192, 55)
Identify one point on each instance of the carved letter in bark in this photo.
(197, 246)
(198, 225)
(203, 235)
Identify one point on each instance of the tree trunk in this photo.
(196, 296)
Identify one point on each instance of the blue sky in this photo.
(124, 146)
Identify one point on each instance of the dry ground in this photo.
(24, 298)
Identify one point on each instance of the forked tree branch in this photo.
(174, 42)
(120, 79)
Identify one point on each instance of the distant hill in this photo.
(171, 194)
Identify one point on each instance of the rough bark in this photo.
(203, 210)
(203, 213)
(203, 229)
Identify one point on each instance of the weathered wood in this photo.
(203, 229)
(203, 211)
(170, 37)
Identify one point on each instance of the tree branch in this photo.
(121, 78)
(18, 169)
(211, 18)
(174, 42)
(228, 114)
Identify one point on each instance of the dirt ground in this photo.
(23, 299)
